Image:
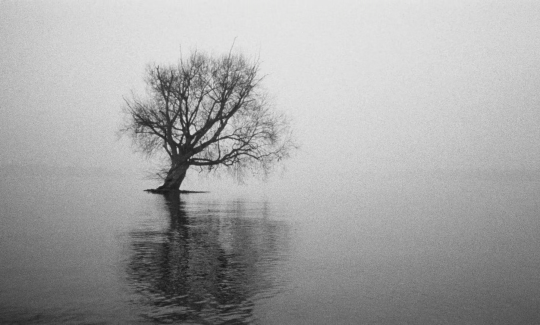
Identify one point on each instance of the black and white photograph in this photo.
(270, 162)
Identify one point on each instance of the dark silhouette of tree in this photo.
(207, 112)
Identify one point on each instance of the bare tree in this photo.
(207, 112)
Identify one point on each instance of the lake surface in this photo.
(395, 249)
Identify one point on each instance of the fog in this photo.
(369, 85)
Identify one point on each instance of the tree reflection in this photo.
(207, 264)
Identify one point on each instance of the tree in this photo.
(207, 112)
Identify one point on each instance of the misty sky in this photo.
(368, 84)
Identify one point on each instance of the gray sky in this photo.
(369, 84)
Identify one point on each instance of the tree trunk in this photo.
(174, 178)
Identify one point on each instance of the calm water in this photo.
(415, 249)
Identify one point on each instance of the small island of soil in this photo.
(167, 191)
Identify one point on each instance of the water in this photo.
(399, 249)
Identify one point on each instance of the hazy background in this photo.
(370, 85)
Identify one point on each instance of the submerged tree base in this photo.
(167, 191)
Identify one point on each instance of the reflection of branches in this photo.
(206, 265)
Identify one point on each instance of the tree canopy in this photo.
(207, 112)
